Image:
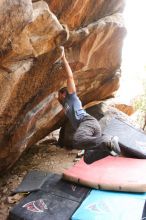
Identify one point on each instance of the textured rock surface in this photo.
(29, 81)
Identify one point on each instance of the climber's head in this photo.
(62, 93)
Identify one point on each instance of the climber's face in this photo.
(61, 97)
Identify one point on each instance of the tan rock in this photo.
(14, 16)
(127, 109)
(80, 13)
(29, 79)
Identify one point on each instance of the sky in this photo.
(134, 50)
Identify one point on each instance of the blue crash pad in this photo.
(108, 205)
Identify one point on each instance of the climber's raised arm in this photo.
(70, 79)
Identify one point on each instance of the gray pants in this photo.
(88, 137)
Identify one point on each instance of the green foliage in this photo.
(139, 102)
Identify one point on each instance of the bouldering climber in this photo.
(88, 135)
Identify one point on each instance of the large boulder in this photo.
(92, 33)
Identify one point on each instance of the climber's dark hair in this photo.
(63, 89)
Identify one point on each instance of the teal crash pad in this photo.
(109, 205)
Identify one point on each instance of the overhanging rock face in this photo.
(29, 34)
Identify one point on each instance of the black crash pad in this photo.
(132, 141)
(144, 212)
(33, 181)
(54, 184)
(43, 206)
(57, 199)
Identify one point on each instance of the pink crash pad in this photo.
(110, 173)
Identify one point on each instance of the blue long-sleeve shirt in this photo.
(74, 110)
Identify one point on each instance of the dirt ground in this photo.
(45, 156)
